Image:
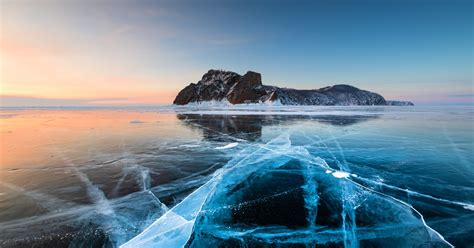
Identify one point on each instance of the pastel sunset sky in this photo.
(143, 52)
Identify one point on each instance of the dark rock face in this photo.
(247, 90)
(214, 85)
(332, 95)
(218, 85)
(187, 95)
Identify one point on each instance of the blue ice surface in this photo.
(273, 176)
(342, 186)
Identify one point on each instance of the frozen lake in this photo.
(209, 176)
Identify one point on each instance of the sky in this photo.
(126, 52)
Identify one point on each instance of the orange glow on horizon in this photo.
(44, 68)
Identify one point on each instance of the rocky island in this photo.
(219, 85)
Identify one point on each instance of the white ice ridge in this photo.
(217, 108)
(276, 112)
(230, 145)
(227, 104)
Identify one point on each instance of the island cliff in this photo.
(218, 85)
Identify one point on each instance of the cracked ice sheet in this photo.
(187, 210)
(389, 155)
(199, 212)
(107, 195)
(174, 227)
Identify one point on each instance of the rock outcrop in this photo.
(247, 89)
(218, 85)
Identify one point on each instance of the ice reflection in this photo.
(249, 127)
